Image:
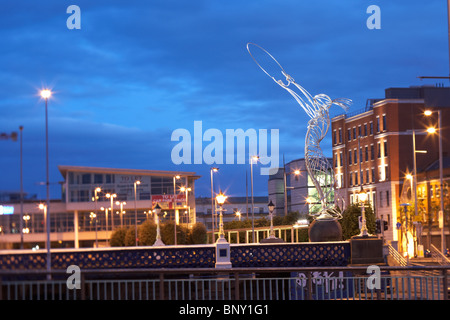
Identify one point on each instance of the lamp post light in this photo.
(158, 241)
(186, 190)
(220, 198)
(212, 202)
(93, 217)
(106, 219)
(441, 173)
(121, 212)
(271, 208)
(46, 94)
(362, 198)
(136, 183)
(296, 172)
(175, 215)
(256, 158)
(111, 198)
(47, 242)
(96, 191)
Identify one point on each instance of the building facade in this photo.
(373, 148)
(96, 201)
(292, 186)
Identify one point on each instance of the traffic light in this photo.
(385, 225)
(378, 226)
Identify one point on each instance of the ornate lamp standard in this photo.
(362, 198)
(135, 211)
(158, 241)
(212, 202)
(271, 208)
(220, 198)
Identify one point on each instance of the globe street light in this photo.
(111, 197)
(97, 190)
(220, 198)
(121, 212)
(441, 172)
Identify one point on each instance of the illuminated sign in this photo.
(6, 210)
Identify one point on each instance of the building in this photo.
(77, 220)
(373, 147)
(235, 208)
(301, 194)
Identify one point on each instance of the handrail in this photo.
(437, 255)
(397, 256)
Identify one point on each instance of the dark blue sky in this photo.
(138, 70)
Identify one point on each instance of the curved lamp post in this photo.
(158, 241)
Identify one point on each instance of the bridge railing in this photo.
(319, 283)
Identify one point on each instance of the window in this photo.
(372, 152)
(335, 160)
(384, 122)
(367, 153)
(359, 131)
(371, 127)
(387, 198)
(373, 175)
(340, 135)
(361, 177)
(341, 163)
(349, 157)
(86, 178)
(381, 199)
(385, 149)
(379, 150)
(354, 132)
(349, 134)
(350, 179)
(360, 155)
(98, 178)
(365, 129)
(334, 137)
(378, 124)
(355, 159)
(109, 178)
(367, 176)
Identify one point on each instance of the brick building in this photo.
(373, 147)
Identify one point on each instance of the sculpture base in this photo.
(222, 254)
(272, 240)
(158, 243)
(366, 250)
(322, 230)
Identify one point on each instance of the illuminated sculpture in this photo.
(317, 165)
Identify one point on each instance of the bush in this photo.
(147, 233)
(130, 237)
(118, 237)
(198, 234)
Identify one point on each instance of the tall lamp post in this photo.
(256, 158)
(441, 174)
(175, 216)
(136, 183)
(97, 190)
(121, 212)
(106, 219)
(220, 198)
(46, 94)
(296, 172)
(212, 203)
(111, 197)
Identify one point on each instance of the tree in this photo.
(118, 237)
(147, 233)
(350, 221)
(198, 234)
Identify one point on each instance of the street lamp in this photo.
(97, 190)
(175, 214)
(106, 219)
(46, 94)
(220, 198)
(362, 198)
(136, 183)
(271, 208)
(212, 202)
(253, 158)
(47, 243)
(158, 241)
(186, 190)
(121, 212)
(111, 197)
(441, 172)
(93, 216)
(296, 172)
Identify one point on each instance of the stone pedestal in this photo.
(366, 250)
(222, 253)
(272, 240)
(321, 230)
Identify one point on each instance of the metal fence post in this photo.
(236, 285)
(445, 284)
(161, 286)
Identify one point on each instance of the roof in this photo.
(65, 169)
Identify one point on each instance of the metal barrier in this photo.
(322, 283)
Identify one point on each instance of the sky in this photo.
(138, 71)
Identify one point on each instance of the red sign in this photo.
(166, 200)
